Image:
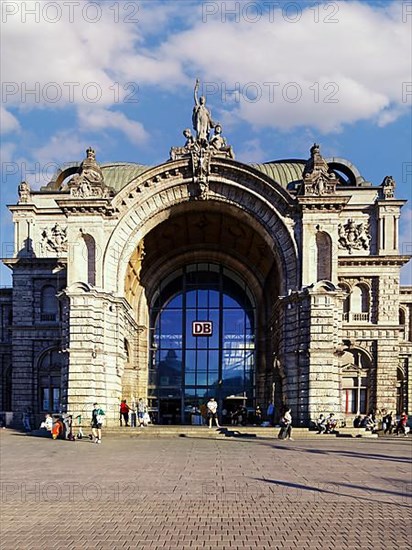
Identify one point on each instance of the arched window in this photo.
(355, 382)
(126, 350)
(401, 392)
(48, 304)
(346, 301)
(402, 324)
(50, 381)
(324, 256)
(359, 303)
(91, 259)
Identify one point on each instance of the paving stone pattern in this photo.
(201, 493)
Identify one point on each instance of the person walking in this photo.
(212, 412)
(401, 426)
(141, 409)
(97, 421)
(26, 419)
(388, 422)
(286, 425)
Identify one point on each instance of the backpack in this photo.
(100, 416)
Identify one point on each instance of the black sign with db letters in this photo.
(202, 328)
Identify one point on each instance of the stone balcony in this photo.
(350, 317)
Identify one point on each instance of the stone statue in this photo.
(24, 192)
(201, 118)
(176, 152)
(388, 187)
(219, 143)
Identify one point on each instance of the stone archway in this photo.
(148, 200)
(244, 224)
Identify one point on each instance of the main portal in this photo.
(202, 325)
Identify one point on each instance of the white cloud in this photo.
(350, 70)
(8, 122)
(104, 119)
(337, 68)
(252, 151)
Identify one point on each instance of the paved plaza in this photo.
(177, 493)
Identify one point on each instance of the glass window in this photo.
(221, 364)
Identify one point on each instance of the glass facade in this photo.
(191, 362)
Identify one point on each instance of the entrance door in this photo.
(203, 341)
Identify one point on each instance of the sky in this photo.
(119, 76)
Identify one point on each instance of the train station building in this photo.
(205, 276)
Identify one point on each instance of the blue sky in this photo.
(119, 76)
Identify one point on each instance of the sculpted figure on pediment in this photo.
(89, 181)
(318, 179)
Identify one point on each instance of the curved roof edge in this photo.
(286, 172)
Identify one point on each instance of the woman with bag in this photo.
(286, 425)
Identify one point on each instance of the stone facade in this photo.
(316, 243)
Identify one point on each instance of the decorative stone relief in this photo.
(318, 180)
(24, 192)
(202, 148)
(89, 181)
(388, 187)
(54, 239)
(353, 236)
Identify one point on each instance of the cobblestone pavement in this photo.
(198, 493)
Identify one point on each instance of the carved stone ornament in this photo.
(202, 148)
(318, 180)
(388, 187)
(89, 181)
(54, 239)
(24, 192)
(353, 236)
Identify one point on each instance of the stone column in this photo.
(22, 337)
(388, 340)
(96, 351)
(313, 336)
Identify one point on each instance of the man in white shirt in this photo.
(212, 412)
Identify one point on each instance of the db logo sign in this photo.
(202, 328)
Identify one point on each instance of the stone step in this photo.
(205, 432)
(355, 432)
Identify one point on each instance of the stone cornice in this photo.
(373, 260)
(35, 262)
(391, 202)
(332, 203)
(72, 206)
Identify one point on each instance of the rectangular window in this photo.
(45, 399)
(56, 399)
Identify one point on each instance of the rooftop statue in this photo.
(201, 118)
(219, 143)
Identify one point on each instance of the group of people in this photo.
(326, 424)
(390, 425)
(385, 421)
(61, 425)
(138, 414)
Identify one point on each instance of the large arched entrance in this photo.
(203, 330)
(204, 284)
